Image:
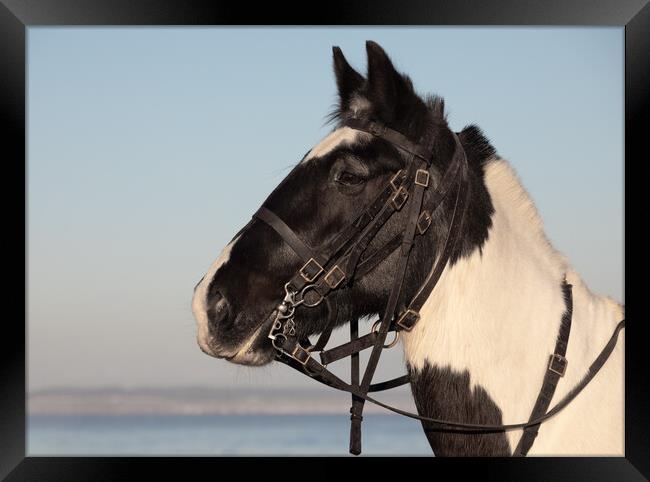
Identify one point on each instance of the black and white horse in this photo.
(480, 350)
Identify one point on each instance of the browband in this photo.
(392, 136)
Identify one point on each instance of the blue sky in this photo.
(148, 148)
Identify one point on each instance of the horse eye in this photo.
(349, 179)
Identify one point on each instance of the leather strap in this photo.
(389, 313)
(355, 345)
(269, 217)
(349, 237)
(319, 373)
(453, 234)
(327, 332)
(388, 384)
(391, 135)
(370, 262)
(355, 428)
(555, 370)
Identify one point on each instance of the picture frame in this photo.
(17, 16)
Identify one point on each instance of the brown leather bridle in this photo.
(335, 264)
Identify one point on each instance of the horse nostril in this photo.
(218, 309)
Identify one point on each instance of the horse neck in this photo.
(494, 315)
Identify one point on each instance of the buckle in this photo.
(392, 180)
(422, 177)
(300, 354)
(424, 221)
(338, 275)
(305, 273)
(376, 129)
(557, 364)
(408, 319)
(399, 198)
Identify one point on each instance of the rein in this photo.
(335, 264)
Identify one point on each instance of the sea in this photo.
(226, 435)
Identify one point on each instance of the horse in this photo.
(479, 351)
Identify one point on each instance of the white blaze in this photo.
(344, 135)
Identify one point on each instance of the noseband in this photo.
(335, 264)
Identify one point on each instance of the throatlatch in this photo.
(336, 263)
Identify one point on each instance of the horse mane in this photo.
(515, 200)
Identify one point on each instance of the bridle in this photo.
(336, 263)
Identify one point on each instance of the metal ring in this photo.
(302, 297)
(275, 339)
(392, 343)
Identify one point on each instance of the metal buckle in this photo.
(399, 198)
(306, 276)
(424, 221)
(422, 177)
(559, 359)
(408, 319)
(392, 180)
(338, 281)
(299, 350)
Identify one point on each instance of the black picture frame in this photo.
(18, 15)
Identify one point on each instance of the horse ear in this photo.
(387, 88)
(348, 80)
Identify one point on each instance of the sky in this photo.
(148, 148)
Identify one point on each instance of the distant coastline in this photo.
(198, 401)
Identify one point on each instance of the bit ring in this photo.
(302, 297)
(392, 343)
